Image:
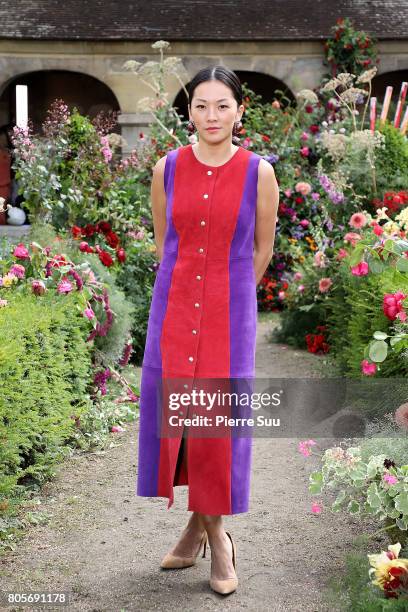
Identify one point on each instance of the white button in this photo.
(202, 222)
(198, 277)
(197, 305)
(206, 195)
(194, 331)
(186, 386)
(201, 250)
(209, 172)
(191, 358)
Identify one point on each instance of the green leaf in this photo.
(353, 507)
(395, 339)
(379, 335)
(378, 351)
(402, 264)
(401, 502)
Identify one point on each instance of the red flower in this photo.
(314, 128)
(299, 200)
(112, 239)
(89, 230)
(85, 247)
(265, 138)
(103, 226)
(105, 258)
(121, 255)
(76, 231)
(57, 261)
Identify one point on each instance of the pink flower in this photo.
(64, 286)
(297, 275)
(304, 151)
(117, 429)
(341, 254)
(390, 478)
(18, 270)
(304, 223)
(325, 284)
(281, 295)
(369, 369)
(358, 220)
(304, 447)
(401, 416)
(352, 237)
(3, 303)
(316, 508)
(38, 287)
(319, 259)
(315, 196)
(21, 252)
(303, 188)
(301, 288)
(88, 312)
(392, 306)
(377, 229)
(304, 136)
(288, 192)
(360, 269)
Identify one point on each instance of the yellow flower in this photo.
(383, 562)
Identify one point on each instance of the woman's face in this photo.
(213, 105)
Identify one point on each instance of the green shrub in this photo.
(45, 367)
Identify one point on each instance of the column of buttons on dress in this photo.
(200, 250)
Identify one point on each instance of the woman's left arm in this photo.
(266, 215)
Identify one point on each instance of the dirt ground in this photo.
(103, 544)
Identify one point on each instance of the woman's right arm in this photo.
(158, 199)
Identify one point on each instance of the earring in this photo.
(191, 127)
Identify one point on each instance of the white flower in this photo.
(132, 65)
(150, 68)
(365, 77)
(352, 94)
(308, 95)
(161, 44)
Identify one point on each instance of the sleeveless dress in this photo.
(202, 327)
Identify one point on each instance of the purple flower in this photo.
(272, 159)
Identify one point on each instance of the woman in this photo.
(214, 208)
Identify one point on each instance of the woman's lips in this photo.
(212, 129)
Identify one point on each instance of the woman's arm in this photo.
(266, 214)
(158, 200)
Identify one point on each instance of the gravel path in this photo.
(104, 544)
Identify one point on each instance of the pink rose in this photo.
(38, 287)
(392, 306)
(64, 286)
(360, 269)
(325, 284)
(18, 270)
(21, 252)
(358, 220)
(89, 313)
(352, 237)
(368, 368)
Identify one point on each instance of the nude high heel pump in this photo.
(173, 562)
(225, 587)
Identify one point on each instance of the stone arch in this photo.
(84, 91)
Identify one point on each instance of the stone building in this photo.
(76, 49)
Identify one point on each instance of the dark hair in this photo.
(217, 73)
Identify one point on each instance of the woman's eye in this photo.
(202, 106)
